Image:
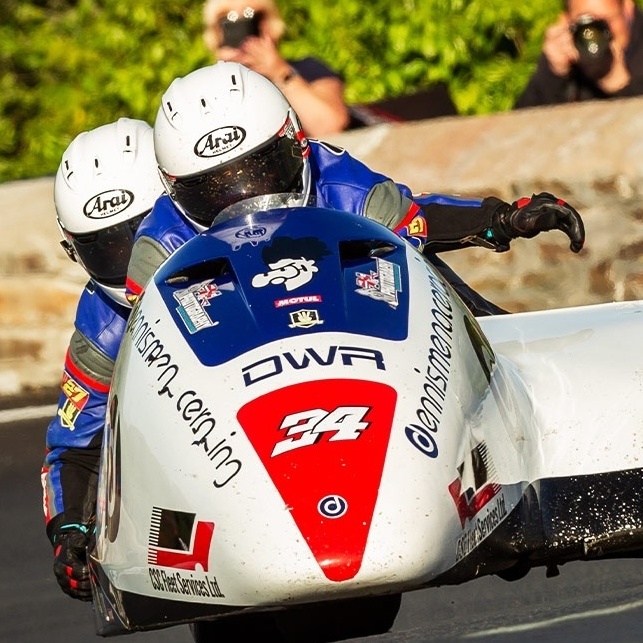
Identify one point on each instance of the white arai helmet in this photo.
(224, 133)
(107, 181)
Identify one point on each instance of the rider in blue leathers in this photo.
(216, 146)
(106, 183)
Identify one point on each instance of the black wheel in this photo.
(243, 627)
(338, 620)
(314, 623)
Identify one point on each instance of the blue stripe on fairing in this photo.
(247, 315)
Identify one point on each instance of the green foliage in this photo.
(70, 65)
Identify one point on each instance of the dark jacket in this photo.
(545, 88)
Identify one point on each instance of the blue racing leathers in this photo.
(74, 435)
(339, 182)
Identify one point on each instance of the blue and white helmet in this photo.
(107, 181)
(224, 133)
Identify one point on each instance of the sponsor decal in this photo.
(192, 303)
(275, 364)
(383, 283)
(304, 318)
(204, 585)
(220, 141)
(108, 203)
(339, 429)
(416, 227)
(177, 539)
(76, 397)
(478, 499)
(476, 476)
(295, 301)
(191, 407)
(253, 234)
(332, 507)
(431, 405)
(490, 517)
(292, 263)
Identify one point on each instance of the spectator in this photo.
(249, 32)
(593, 51)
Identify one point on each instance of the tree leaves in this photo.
(73, 65)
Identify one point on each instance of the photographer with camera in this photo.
(593, 51)
(248, 32)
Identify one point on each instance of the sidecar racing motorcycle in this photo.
(306, 422)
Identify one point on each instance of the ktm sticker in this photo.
(383, 283)
(192, 304)
(77, 398)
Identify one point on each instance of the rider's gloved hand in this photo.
(529, 216)
(70, 561)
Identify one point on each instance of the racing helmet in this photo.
(107, 181)
(224, 133)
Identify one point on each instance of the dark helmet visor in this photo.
(105, 253)
(275, 167)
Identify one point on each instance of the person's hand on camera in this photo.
(559, 48)
(70, 561)
(618, 76)
(528, 217)
(261, 55)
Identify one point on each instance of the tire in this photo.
(231, 629)
(313, 623)
(338, 620)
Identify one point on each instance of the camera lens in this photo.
(592, 40)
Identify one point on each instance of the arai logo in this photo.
(220, 141)
(107, 204)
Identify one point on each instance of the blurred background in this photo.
(71, 65)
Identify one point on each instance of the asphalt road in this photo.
(592, 602)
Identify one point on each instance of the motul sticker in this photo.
(323, 444)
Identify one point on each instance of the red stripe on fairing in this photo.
(308, 464)
(81, 376)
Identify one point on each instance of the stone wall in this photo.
(589, 154)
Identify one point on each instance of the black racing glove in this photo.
(527, 217)
(70, 561)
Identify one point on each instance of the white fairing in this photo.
(469, 431)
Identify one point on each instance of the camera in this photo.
(236, 30)
(592, 39)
